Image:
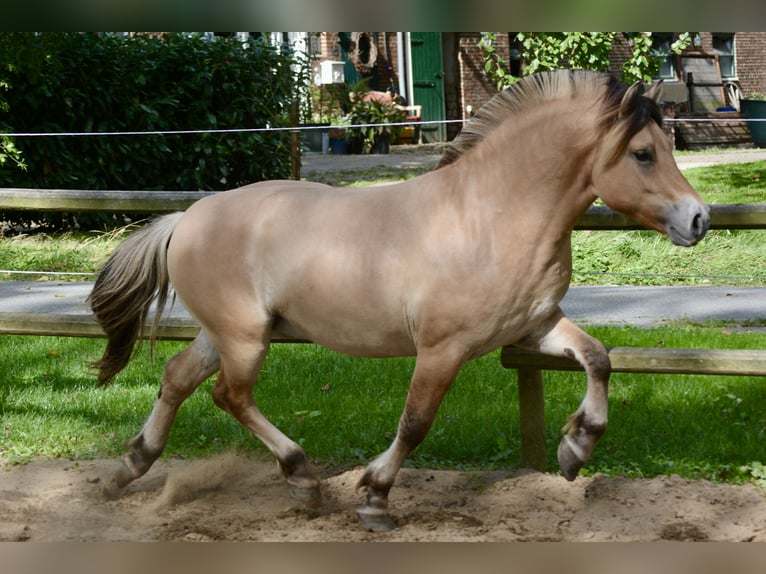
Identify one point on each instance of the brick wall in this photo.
(330, 46)
(621, 51)
(750, 50)
(476, 87)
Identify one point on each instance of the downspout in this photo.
(401, 66)
(408, 58)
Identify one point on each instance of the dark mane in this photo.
(544, 86)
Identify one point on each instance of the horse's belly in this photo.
(365, 340)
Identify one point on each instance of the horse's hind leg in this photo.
(182, 375)
(559, 336)
(240, 365)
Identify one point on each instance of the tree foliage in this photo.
(71, 82)
(9, 153)
(576, 50)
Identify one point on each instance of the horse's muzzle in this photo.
(688, 222)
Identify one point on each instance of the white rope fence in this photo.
(310, 128)
(224, 131)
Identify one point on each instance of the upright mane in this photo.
(544, 86)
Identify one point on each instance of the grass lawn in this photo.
(344, 410)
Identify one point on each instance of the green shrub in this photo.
(71, 82)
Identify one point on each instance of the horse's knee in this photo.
(594, 358)
(601, 366)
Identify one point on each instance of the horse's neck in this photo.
(544, 180)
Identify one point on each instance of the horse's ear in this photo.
(629, 98)
(654, 91)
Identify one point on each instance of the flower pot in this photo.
(312, 138)
(355, 145)
(338, 146)
(381, 144)
(755, 109)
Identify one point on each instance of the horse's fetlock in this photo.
(296, 464)
(595, 429)
(364, 481)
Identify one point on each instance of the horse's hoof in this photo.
(308, 495)
(110, 490)
(375, 520)
(569, 461)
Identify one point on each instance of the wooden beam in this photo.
(738, 216)
(81, 200)
(731, 216)
(172, 328)
(728, 216)
(532, 419)
(81, 325)
(735, 362)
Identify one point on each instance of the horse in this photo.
(446, 267)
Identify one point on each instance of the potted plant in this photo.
(753, 107)
(337, 134)
(370, 118)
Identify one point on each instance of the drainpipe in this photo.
(401, 66)
(410, 87)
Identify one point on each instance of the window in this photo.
(723, 45)
(661, 42)
(514, 55)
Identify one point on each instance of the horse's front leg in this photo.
(560, 337)
(434, 373)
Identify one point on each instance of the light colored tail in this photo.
(133, 277)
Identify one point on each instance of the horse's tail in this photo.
(134, 275)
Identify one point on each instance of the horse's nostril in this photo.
(696, 223)
(700, 223)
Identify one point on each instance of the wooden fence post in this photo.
(532, 418)
(295, 144)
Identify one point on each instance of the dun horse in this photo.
(447, 267)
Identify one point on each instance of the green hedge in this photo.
(71, 82)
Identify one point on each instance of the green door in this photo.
(428, 82)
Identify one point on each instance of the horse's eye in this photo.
(643, 155)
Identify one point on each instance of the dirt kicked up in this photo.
(234, 498)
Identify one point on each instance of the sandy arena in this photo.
(234, 498)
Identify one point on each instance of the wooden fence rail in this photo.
(731, 216)
(81, 200)
(530, 366)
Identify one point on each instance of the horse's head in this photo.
(635, 172)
